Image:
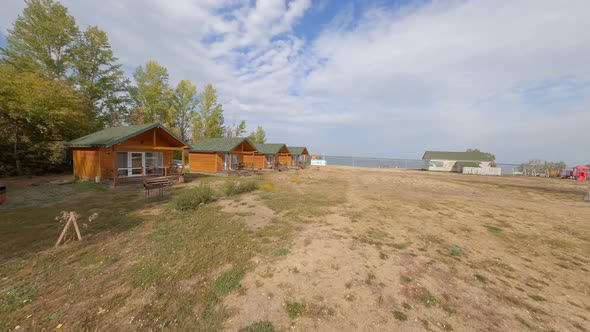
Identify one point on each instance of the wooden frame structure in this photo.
(127, 154)
(270, 156)
(219, 155)
(300, 155)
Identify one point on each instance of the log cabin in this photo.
(269, 156)
(119, 155)
(217, 155)
(300, 155)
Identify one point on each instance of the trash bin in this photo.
(2, 193)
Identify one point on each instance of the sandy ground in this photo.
(422, 251)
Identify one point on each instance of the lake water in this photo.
(394, 163)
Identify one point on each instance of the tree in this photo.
(151, 95)
(259, 136)
(184, 104)
(491, 156)
(208, 122)
(36, 115)
(235, 130)
(40, 39)
(98, 76)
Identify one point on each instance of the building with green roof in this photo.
(300, 155)
(269, 155)
(119, 154)
(215, 155)
(447, 161)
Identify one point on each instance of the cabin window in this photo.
(226, 161)
(155, 159)
(122, 159)
(235, 160)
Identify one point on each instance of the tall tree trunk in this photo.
(16, 156)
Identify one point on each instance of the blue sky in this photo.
(374, 78)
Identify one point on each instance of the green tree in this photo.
(151, 96)
(258, 136)
(184, 104)
(208, 121)
(40, 39)
(236, 130)
(99, 77)
(36, 115)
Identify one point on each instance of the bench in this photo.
(156, 183)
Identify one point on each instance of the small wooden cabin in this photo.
(214, 155)
(119, 154)
(300, 155)
(269, 156)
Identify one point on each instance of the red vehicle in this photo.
(581, 173)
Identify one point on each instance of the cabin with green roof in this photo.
(447, 161)
(118, 154)
(216, 155)
(300, 155)
(269, 155)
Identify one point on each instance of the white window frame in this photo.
(143, 167)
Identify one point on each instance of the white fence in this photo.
(482, 170)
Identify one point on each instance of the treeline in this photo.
(541, 167)
(58, 82)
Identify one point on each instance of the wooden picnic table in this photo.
(158, 183)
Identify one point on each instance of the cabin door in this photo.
(270, 160)
(136, 163)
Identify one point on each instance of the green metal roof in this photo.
(459, 156)
(468, 163)
(114, 135)
(297, 150)
(222, 144)
(269, 148)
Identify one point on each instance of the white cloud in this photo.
(512, 77)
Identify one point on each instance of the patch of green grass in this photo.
(294, 309)
(406, 306)
(194, 197)
(261, 326)
(481, 278)
(232, 187)
(400, 316)
(455, 251)
(311, 201)
(246, 214)
(282, 252)
(399, 246)
(493, 229)
(371, 278)
(52, 316)
(406, 279)
(448, 309)
(13, 297)
(228, 281)
(537, 298)
(426, 298)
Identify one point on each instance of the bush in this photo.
(233, 187)
(261, 326)
(192, 198)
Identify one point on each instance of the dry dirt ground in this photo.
(330, 249)
(409, 250)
